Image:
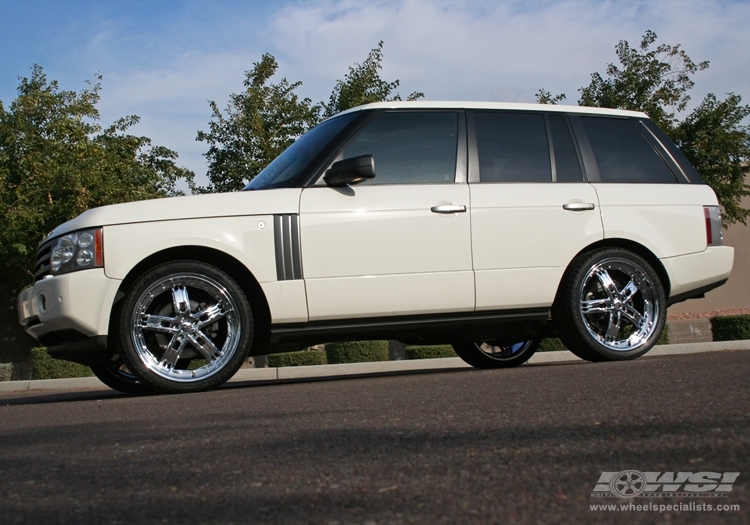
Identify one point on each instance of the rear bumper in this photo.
(694, 274)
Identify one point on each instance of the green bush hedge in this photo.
(430, 352)
(6, 371)
(45, 367)
(730, 327)
(551, 344)
(303, 358)
(357, 352)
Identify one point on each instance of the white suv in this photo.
(488, 226)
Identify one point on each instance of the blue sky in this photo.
(164, 59)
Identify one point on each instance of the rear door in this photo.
(531, 210)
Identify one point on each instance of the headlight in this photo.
(77, 251)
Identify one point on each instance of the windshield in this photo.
(298, 156)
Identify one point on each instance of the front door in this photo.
(399, 244)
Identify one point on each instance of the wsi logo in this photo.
(634, 483)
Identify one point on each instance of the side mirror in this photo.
(351, 171)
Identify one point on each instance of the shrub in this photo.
(303, 358)
(6, 371)
(664, 337)
(551, 344)
(730, 327)
(45, 367)
(430, 352)
(357, 352)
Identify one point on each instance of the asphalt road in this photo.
(478, 447)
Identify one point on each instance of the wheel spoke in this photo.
(158, 323)
(204, 345)
(607, 282)
(180, 299)
(173, 351)
(209, 315)
(596, 306)
(633, 315)
(614, 327)
(629, 291)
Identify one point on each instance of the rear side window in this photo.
(623, 154)
(410, 147)
(512, 147)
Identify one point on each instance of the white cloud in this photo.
(449, 50)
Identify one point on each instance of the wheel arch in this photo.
(627, 244)
(225, 262)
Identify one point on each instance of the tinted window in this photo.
(622, 153)
(287, 166)
(567, 167)
(409, 147)
(512, 147)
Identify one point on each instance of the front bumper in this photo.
(69, 311)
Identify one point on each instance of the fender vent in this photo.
(286, 239)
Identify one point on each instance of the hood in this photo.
(262, 202)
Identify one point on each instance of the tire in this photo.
(185, 326)
(492, 355)
(611, 306)
(118, 377)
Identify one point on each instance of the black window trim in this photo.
(460, 174)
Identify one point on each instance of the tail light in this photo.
(714, 236)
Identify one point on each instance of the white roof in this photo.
(443, 104)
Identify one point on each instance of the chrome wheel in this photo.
(618, 304)
(493, 354)
(611, 305)
(118, 376)
(185, 326)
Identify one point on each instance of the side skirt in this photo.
(511, 325)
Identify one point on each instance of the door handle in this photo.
(448, 208)
(578, 206)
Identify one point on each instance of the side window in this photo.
(568, 168)
(512, 147)
(410, 147)
(623, 154)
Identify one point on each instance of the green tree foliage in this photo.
(260, 123)
(57, 161)
(657, 80)
(363, 85)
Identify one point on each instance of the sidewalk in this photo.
(292, 373)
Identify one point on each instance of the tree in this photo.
(260, 123)
(363, 85)
(657, 81)
(56, 161)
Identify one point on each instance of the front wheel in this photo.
(185, 326)
(117, 376)
(611, 306)
(496, 355)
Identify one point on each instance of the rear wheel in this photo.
(496, 355)
(611, 306)
(185, 326)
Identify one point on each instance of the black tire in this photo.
(118, 377)
(611, 306)
(493, 355)
(185, 312)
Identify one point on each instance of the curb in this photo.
(291, 373)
